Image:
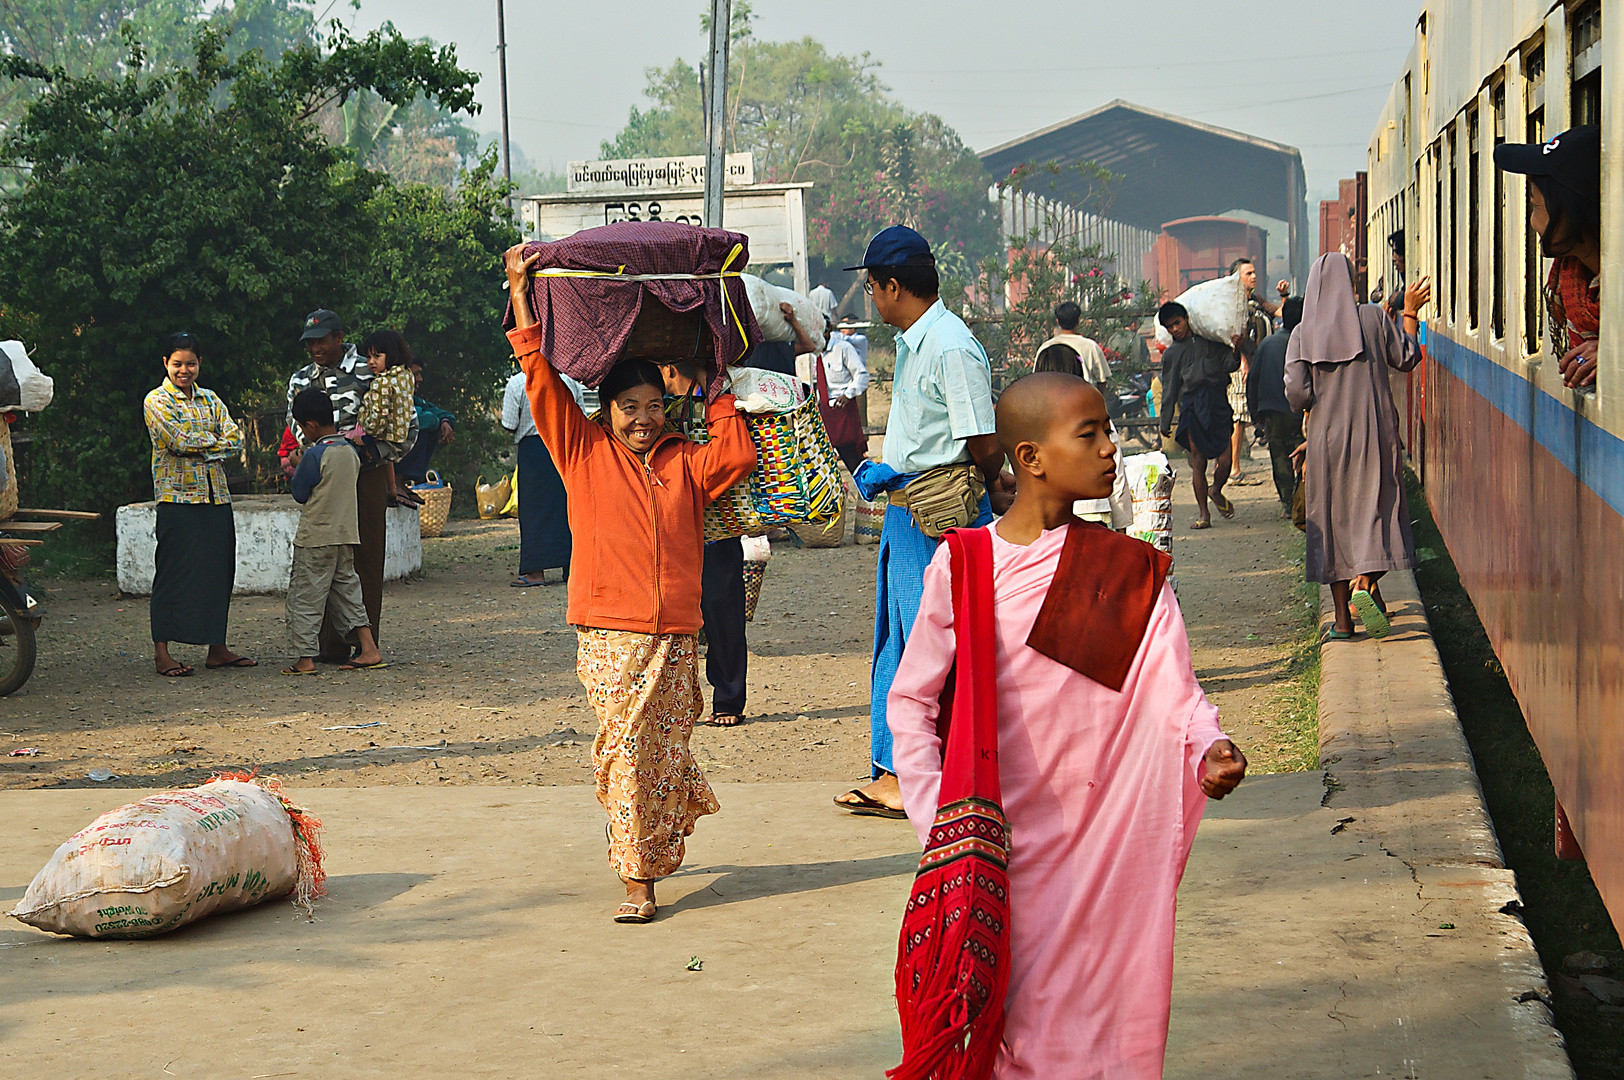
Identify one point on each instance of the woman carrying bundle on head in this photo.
(636, 495)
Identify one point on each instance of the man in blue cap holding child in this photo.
(943, 466)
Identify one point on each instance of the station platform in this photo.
(1356, 922)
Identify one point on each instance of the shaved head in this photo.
(1029, 409)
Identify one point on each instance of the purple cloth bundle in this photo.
(586, 321)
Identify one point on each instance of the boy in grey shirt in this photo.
(324, 579)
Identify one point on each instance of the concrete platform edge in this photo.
(1392, 749)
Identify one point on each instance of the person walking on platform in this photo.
(1277, 422)
(637, 492)
(942, 467)
(1090, 357)
(544, 525)
(1196, 381)
(1107, 751)
(1337, 365)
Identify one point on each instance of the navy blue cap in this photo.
(897, 245)
(320, 323)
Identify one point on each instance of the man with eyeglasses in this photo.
(943, 466)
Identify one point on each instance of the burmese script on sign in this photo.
(653, 174)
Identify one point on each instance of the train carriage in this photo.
(1524, 476)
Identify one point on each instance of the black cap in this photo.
(320, 323)
(897, 245)
(1571, 160)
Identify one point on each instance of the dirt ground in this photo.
(481, 687)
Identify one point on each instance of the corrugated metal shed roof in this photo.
(1175, 168)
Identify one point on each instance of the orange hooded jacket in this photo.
(637, 538)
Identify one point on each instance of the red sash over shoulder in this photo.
(953, 959)
(1100, 602)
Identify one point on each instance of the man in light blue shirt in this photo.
(941, 425)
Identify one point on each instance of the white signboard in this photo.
(637, 175)
(773, 216)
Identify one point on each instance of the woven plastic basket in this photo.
(754, 572)
(436, 508)
(870, 518)
(796, 479)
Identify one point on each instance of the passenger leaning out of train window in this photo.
(1564, 208)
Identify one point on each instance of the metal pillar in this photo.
(501, 59)
(721, 21)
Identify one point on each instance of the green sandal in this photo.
(1370, 614)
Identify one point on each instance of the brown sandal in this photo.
(724, 719)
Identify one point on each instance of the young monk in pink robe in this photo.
(1104, 774)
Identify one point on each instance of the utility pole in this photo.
(501, 57)
(721, 22)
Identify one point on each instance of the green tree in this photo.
(432, 274)
(1011, 299)
(809, 115)
(197, 198)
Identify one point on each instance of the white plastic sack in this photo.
(756, 549)
(1217, 310)
(1150, 481)
(34, 388)
(175, 857)
(764, 300)
(760, 391)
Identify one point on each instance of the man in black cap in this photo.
(1564, 208)
(338, 369)
(942, 460)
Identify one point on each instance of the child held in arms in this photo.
(1108, 750)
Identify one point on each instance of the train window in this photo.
(1438, 230)
(1474, 162)
(1497, 297)
(1454, 223)
(1586, 38)
(1533, 279)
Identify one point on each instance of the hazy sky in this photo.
(1311, 75)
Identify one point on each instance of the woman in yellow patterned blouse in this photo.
(196, 563)
(387, 412)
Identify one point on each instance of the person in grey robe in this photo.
(1337, 364)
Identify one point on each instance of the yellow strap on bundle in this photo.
(621, 275)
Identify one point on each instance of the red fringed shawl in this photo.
(953, 957)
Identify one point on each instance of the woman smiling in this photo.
(636, 494)
(196, 563)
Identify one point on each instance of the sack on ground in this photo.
(492, 497)
(764, 300)
(175, 857)
(1218, 310)
(22, 385)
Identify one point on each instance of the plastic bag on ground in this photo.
(175, 857)
(22, 385)
(1217, 310)
(1150, 482)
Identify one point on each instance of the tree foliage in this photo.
(204, 198)
(811, 115)
(1011, 300)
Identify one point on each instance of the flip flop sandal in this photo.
(1200, 524)
(364, 667)
(867, 807)
(1334, 634)
(1370, 614)
(716, 720)
(636, 913)
(241, 661)
(296, 671)
(523, 582)
(1225, 507)
(179, 671)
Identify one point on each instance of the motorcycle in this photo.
(17, 625)
(1129, 409)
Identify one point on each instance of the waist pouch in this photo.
(943, 498)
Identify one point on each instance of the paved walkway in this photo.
(1358, 923)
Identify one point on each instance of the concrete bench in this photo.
(265, 528)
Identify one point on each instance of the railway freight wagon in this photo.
(1525, 477)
